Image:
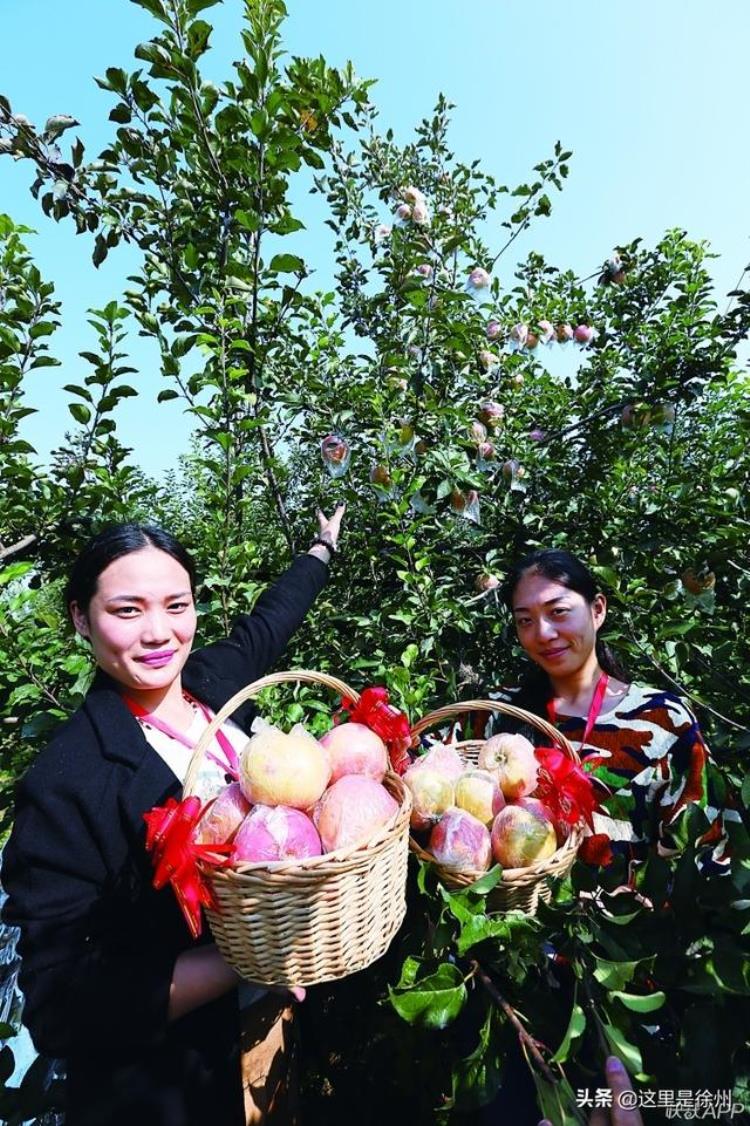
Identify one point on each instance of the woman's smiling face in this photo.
(555, 625)
(141, 620)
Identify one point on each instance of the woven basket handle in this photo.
(300, 676)
(450, 711)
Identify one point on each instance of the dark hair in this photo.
(112, 543)
(566, 568)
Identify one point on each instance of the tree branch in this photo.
(525, 1039)
(680, 687)
(20, 545)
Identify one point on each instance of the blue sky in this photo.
(651, 97)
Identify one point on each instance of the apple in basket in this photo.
(461, 842)
(521, 835)
(478, 792)
(431, 780)
(276, 833)
(511, 758)
(431, 793)
(224, 816)
(281, 769)
(441, 757)
(351, 811)
(354, 748)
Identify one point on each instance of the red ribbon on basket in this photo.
(376, 712)
(596, 849)
(170, 835)
(565, 788)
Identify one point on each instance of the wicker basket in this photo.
(307, 921)
(519, 889)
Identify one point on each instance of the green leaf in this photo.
(544, 205)
(629, 1053)
(80, 412)
(557, 1101)
(199, 33)
(287, 225)
(409, 971)
(15, 571)
(116, 80)
(615, 975)
(478, 928)
(165, 396)
(259, 124)
(434, 1001)
(155, 7)
(100, 250)
(486, 882)
(639, 1003)
(287, 264)
(610, 577)
(575, 1029)
(81, 392)
(248, 220)
(122, 114)
(477, 1077)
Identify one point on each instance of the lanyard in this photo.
(230, 763)
(596, 706)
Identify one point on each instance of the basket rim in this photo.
(464, 706)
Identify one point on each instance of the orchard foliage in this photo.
(485, 406)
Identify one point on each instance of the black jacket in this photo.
(97, 943)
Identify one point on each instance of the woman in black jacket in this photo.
(146, 1018)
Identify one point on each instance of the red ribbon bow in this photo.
(170, 835)
(565, 788)
(596, 849)
(392, 725)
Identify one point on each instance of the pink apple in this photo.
(354, 748)
(478, 279)
(352, 811)
(584, 334)
(224, 816)
(511, 758)
(278, 832)
(491, 413)
(461, 842)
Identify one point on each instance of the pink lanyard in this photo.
(230, 764)
(594, 710)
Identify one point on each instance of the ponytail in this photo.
(610, 662)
